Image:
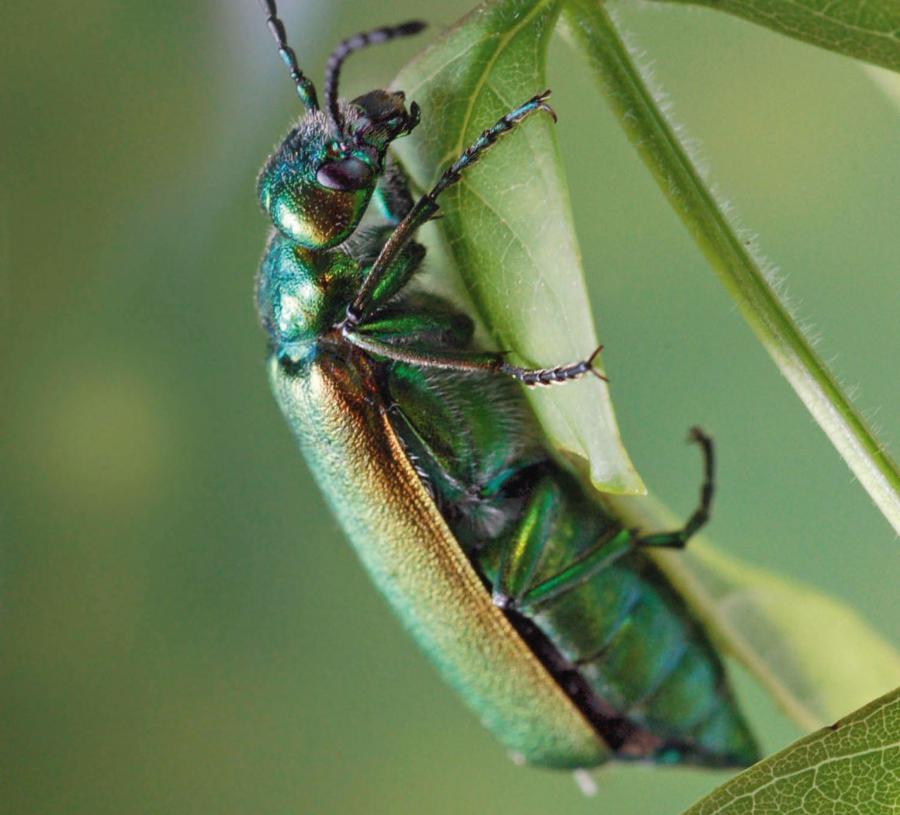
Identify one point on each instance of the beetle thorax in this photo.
(302, 295)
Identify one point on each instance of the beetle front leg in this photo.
(368, 298)
(402, 267)
(392, 195)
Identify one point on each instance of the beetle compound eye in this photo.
(345, 175)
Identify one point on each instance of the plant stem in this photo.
(587, 24)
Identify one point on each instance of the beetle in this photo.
(535, 602)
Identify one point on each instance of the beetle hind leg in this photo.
(515, 586)
(539, 528)
(700, 516)
(522, 555)
(604, 553)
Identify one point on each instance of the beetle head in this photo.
(317, 184)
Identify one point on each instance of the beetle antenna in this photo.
(347, 47)
(305, 88)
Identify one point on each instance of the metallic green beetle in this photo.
(530, 596)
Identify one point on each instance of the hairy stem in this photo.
(587, 24)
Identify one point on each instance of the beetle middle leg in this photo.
(426, 355)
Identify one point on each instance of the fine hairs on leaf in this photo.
(589, 27)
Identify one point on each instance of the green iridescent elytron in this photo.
(529, 595)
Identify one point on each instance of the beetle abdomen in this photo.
(632, 639)
(620, 641)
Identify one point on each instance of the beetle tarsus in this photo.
(542, 377)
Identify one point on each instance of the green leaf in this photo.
(814, 655)
(865, 29)
(851, 767)
(507, 223)
(738, 266)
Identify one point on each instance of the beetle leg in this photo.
(421, 354)
(604, 553)
(392, 195)
(428, 462)
(466, 362)
(417, 319)
(522, 554)
(535, 377)
(402, 267)
(425, 208)
(700, 516)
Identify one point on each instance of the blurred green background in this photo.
(184, 628)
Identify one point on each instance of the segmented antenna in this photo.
(347, 47)
(305, 88)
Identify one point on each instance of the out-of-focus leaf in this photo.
(815, 656)
(507, 223)
(865, 29)
(852, 768)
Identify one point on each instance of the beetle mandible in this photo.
(530, 596)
